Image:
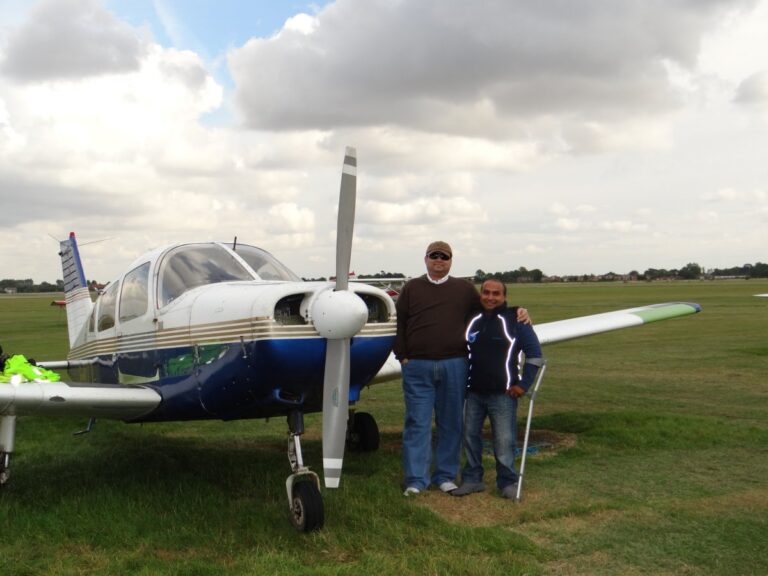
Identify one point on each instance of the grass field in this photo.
(657, 464)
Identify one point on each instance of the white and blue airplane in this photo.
(225, 331)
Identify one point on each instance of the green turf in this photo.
(661, 468)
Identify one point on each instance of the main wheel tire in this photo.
(365, 432)
(307, 513)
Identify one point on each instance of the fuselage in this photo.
(221, 333)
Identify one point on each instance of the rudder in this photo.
(79, 303)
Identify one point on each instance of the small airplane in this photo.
(225, 331)
(216, 331)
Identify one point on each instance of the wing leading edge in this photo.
(560, 330)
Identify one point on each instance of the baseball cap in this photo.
(439, 246)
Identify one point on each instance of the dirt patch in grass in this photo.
(547, 442)
(489, 508)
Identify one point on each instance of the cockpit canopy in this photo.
(183, 268)
(192, 265)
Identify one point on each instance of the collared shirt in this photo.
(440, 281)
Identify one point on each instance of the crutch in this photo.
(534, 390)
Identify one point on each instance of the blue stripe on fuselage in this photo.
(229, 381)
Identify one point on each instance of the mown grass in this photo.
(664, 472)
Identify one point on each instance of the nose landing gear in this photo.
(305, 502)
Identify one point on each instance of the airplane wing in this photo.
(560, 330)
(110, 401)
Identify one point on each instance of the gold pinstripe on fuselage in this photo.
(232, 331)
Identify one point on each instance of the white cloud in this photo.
(70, 39)
(569, 224)
(754, 89)
(301, 23)
(623, 226)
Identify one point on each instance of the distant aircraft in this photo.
(225, 331)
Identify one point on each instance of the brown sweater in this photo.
(431, 318)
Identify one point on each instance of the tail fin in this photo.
(79, 303)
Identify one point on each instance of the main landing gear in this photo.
(362, 432)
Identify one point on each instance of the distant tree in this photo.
(383, 274)
(47, 287)
(690, 271)
(760, 270)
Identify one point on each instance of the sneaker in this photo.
(448, 487)
(411, 491)
(509, 491)
(468, 488)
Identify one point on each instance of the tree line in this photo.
(690, 271)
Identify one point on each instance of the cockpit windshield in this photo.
(193, 265)
(264, 264)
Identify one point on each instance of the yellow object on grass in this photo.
(18, 364)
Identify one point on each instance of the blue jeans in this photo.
(502, 410)
(439, 386)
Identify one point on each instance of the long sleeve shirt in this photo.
(431, 318)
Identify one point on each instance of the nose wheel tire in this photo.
(307, 513)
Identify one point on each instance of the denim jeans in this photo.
(439, 386)
(502, 411)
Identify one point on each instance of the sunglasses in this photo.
(438, 255)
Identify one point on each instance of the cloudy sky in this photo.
(572, 136)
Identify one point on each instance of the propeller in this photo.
(338, 315)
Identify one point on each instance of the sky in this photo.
(574, 137)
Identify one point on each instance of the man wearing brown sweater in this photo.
(432, 312)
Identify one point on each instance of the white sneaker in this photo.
(411, 491)
(448, 487)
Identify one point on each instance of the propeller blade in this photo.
(339, 308)
(346, 222)
(335, 409)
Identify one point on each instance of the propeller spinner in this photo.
(338, 315)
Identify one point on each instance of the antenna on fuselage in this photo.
(234, 244)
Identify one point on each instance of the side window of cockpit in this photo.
(134, 297)
(107, 305)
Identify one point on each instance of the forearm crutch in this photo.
(533, 393)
